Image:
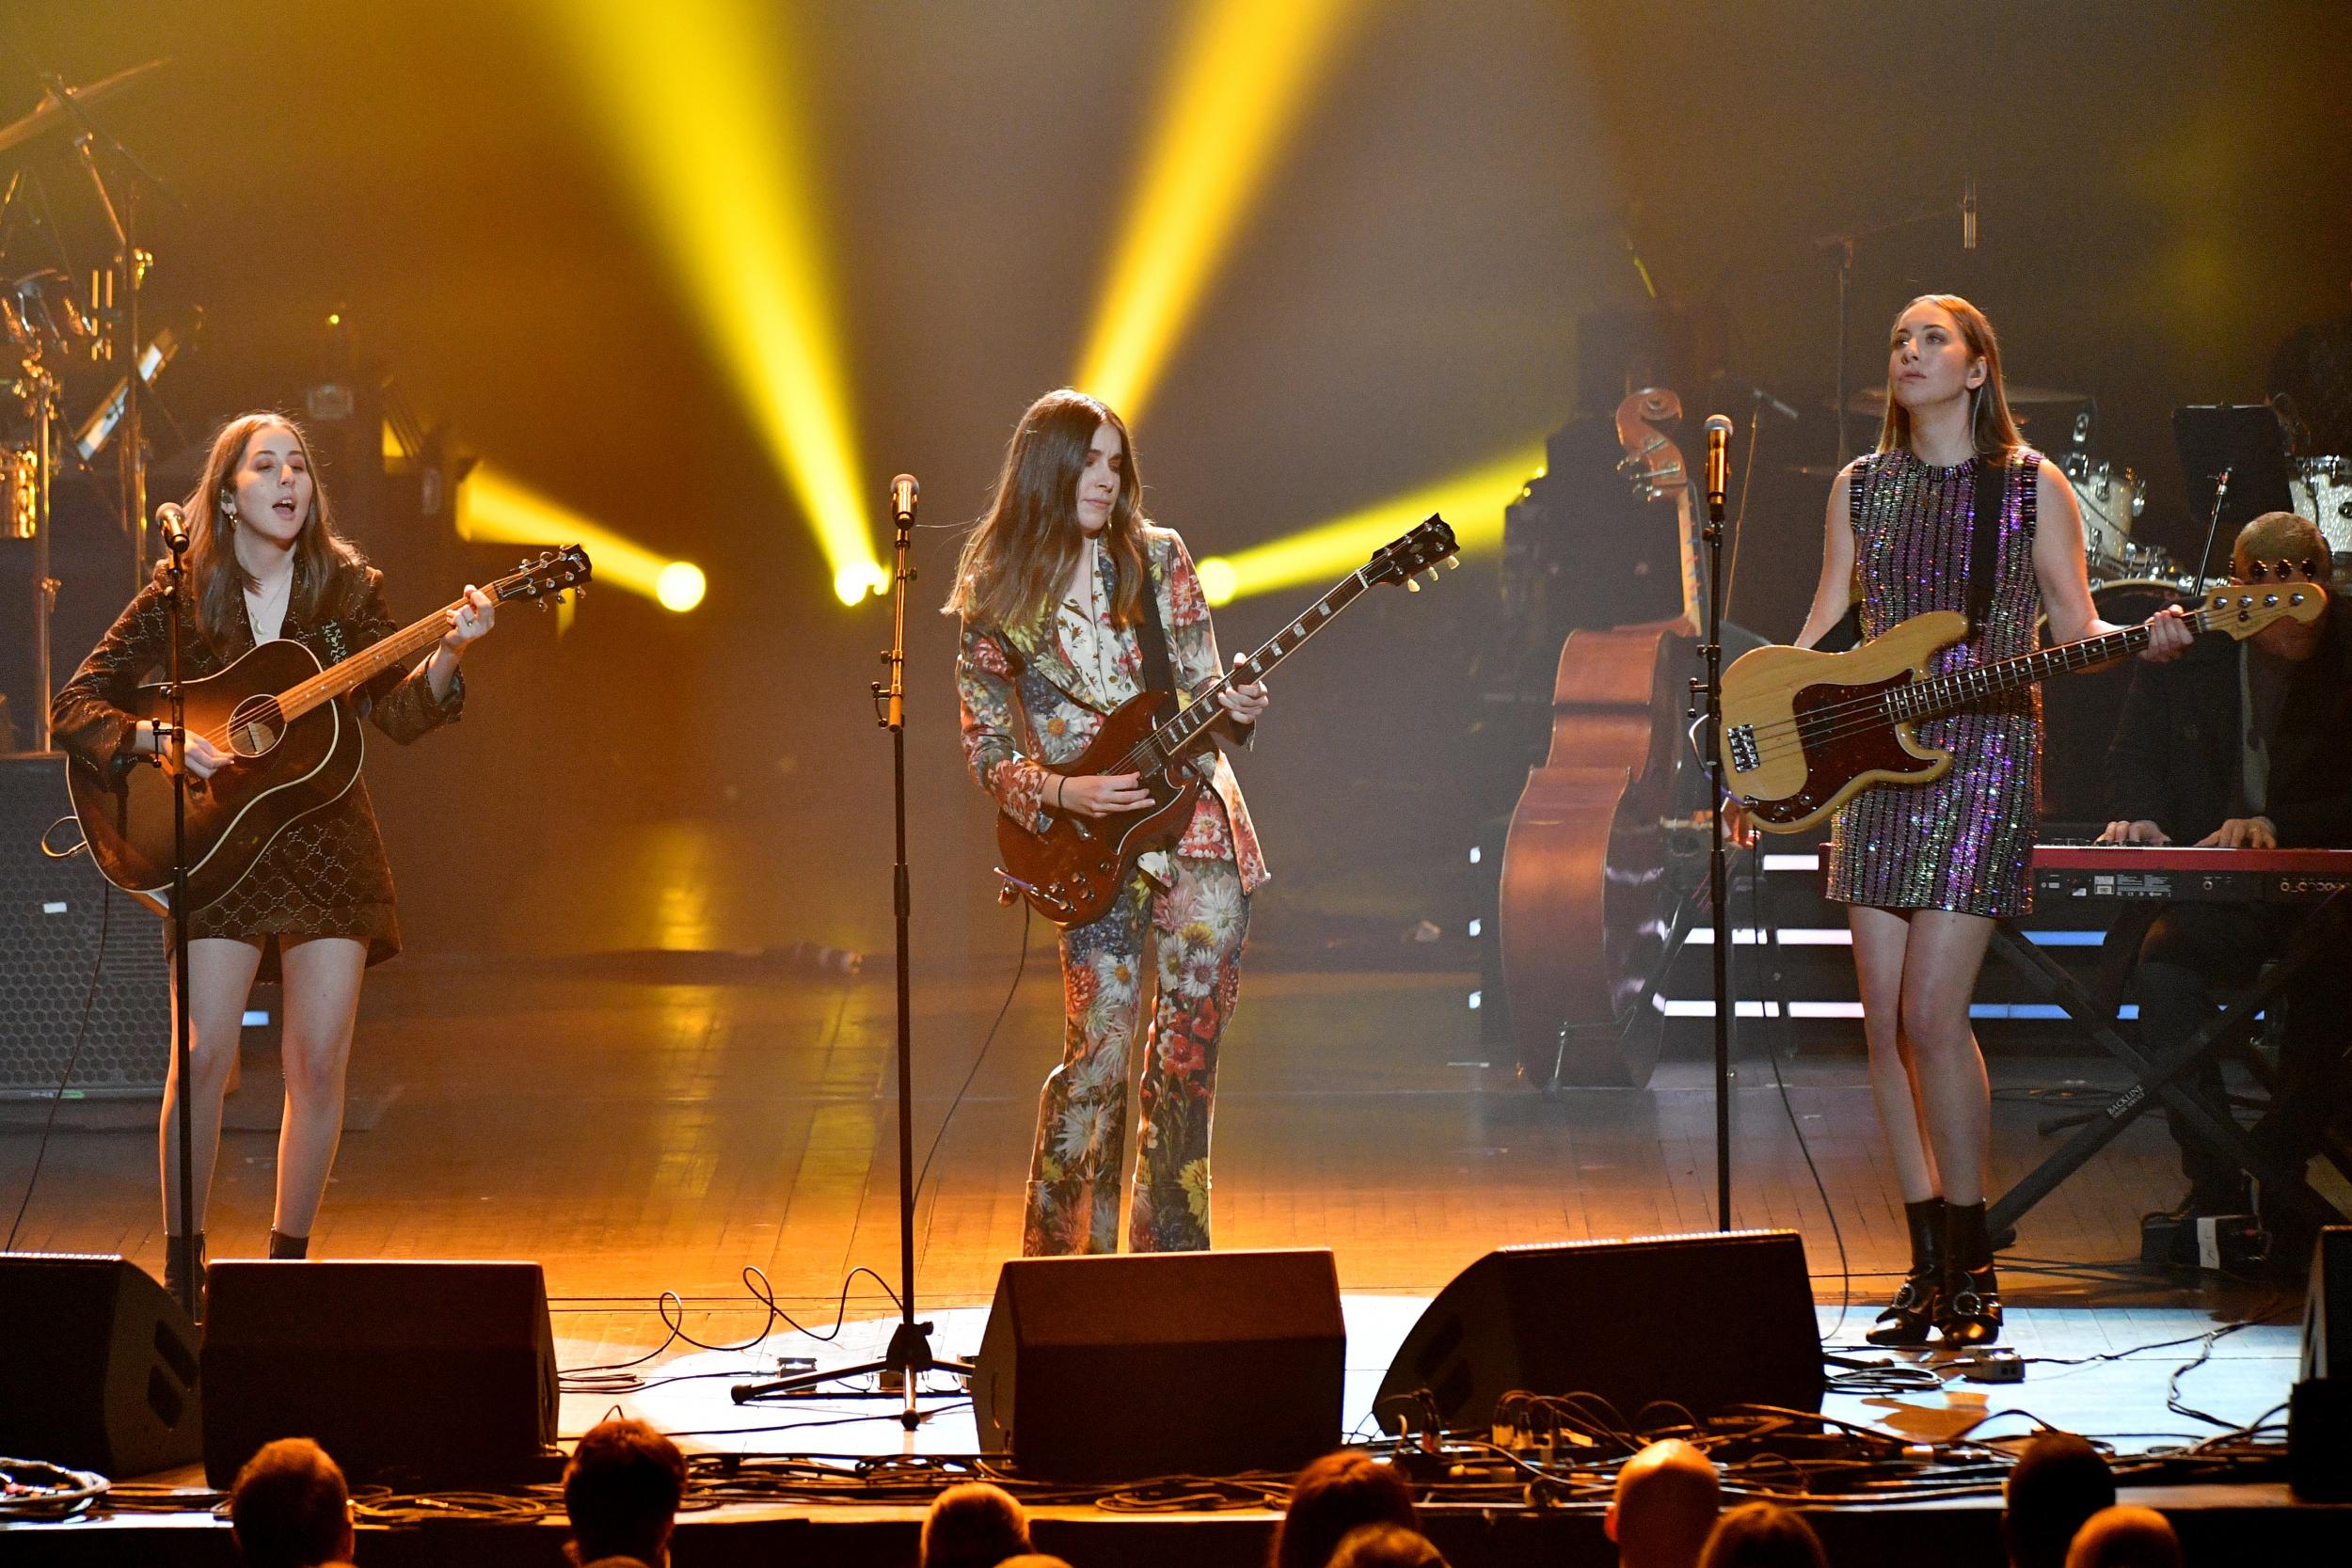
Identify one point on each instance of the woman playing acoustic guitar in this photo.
(1059, 586)
(315, 910)
(1926, 869)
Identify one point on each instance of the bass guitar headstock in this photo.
(546, 580)
(1405, 557)
(2243, 608)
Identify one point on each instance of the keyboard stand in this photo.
(2156, 1077)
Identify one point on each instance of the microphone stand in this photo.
(1719, 902)
(910, 1353)
(175, 605)
(2204, 557)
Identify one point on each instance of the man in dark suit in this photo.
(2243, 745)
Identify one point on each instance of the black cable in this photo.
(1789, 1028)
(616, 1377)
(1019, 967)
(73, 1059)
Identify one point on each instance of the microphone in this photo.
(902, 493)
(1968, 215)
(1718, 460)
(173, 522)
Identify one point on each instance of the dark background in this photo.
(2161, 202)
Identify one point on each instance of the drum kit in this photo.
(61, 324)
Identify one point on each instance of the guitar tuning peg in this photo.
(1452, 563)
(1412, 585)
(542, 604)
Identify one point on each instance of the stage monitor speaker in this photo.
(1703, 1321)
(432, 1374)
(97, 1367)
(2319, 1413)
(52, 973)
(1181, 1363)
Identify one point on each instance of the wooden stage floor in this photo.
(646, 1132)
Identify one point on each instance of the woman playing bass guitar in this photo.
(1926, 869)
(315, 910)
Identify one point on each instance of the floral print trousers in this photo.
(1198, 924)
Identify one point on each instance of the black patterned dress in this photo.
(1963, 842)
(327, 874)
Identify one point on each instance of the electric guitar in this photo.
(1804, 731)
(297, 749)
(1071, 872)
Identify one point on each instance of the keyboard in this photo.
(2135, 871)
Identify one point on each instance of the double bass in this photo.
(1607, 843)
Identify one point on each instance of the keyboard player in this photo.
(2245, 745)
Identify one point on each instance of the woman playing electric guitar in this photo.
(1060, 586)
(1926, 869)
(315, 910)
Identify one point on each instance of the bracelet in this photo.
(1059, 783)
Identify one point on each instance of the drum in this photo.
(20, 492)
(2111, 501)
(2320, 488)
(41, 314)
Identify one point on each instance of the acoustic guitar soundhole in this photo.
(256, 725)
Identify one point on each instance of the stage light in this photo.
(1472, 502)
(493, 508)
(698, 100)
(1244, 73)
(853, 581)
(678, 586)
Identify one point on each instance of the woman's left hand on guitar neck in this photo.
(466, 623)
(1244, 705)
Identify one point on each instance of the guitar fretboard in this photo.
(1176, 736)
(1942, 695)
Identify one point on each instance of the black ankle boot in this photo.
(1920, 1299)
(283, 1245)
(1972, 1291)
(171, 1272)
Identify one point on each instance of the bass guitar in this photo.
(1073, 871)
(1806, 732)
(298, 748)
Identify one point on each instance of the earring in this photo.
(228, 508)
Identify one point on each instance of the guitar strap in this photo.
(1984, 537)
(1159, 675)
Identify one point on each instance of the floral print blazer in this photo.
(1040, 696)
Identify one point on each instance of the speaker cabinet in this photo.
(2319, 1413)
(1116, 1368)
(97, 1367)
(51, 970)
(1705, 1321)
(433, 1373)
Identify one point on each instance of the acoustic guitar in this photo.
(299, 747)
(1073, 871)
(1804, 731)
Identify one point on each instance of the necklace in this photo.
(268, 609)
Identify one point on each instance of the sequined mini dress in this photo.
(1963, 842)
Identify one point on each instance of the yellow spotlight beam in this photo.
(1245, 71)
(699, 100)
(494, 508)
(1473, 502)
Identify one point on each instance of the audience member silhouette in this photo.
(1666, 1502)
(1763, 1535)
(2058, 1481)
(2125, 1538)
(290, 1508)
(1332, 1496)
(622, 1490)
(974, 1525)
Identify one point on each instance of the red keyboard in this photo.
(2215, 875)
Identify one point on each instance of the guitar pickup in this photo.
(1743, 754)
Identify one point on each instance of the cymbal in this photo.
(50, 114)
(1872, 400)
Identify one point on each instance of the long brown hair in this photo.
(1027, 543)
(214, 568)
(1990, 427)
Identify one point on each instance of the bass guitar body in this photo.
(1073, 871)
(285, 770)
(1587, 896)
(1803, 730)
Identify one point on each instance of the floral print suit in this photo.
(1035, 699)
